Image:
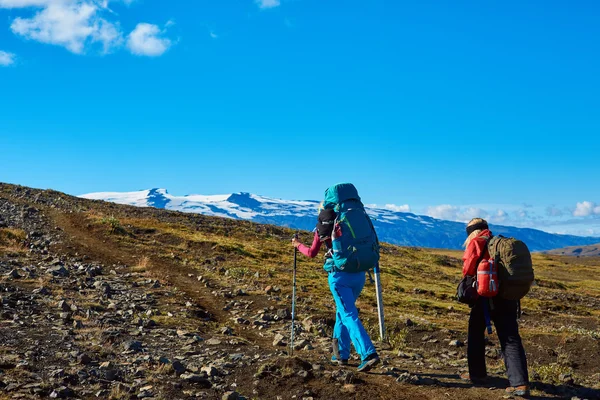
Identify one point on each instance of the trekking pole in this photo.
(486, 314)
(379, 293)
(293, 298)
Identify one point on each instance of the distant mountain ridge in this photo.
(591, 250)
(394, 227)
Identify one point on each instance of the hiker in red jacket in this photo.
(501, 311)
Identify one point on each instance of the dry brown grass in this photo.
(12, 240)
(406, 272)
(142, 265)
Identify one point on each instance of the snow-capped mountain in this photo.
(400, 228)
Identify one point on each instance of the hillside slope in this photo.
(578, 251)
(401, 228)
(101, 300)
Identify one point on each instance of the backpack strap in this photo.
(495, 246)
(372, 227)
(487, 241)
(370, 276)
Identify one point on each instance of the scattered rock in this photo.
(112, 374)
(344, 376)
(63, 305)
(196, 379)
(566, 379)
(456, 343)
(62, 392)
(409, 378)
(349, 388)
(226, 331)
(210, 371)
(132, 345)
(304, 374)
(178, 367)
(42, 291)
(283, 314)
(14, 274)
(145, 392)
(302, 344)
(272, 289)
(66, 316)
(231, 396)
(279, 340)
(58, 270)
(84, 359)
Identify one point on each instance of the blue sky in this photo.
(446, 108)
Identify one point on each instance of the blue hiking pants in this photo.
(346, 288)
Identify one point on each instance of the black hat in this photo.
(480, 225)
(325, 223)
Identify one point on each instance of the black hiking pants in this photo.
(504, 315)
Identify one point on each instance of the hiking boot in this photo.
(521, 391)
(475, 380)
(368, 363)
(334, 360)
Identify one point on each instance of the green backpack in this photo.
(515, 269)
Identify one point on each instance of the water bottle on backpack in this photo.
(487, 278)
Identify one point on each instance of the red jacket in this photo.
(473, 253)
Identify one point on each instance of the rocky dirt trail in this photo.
(86, 316)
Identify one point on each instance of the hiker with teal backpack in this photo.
(497, 273)
(352, 249)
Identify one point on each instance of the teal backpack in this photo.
(355, 246)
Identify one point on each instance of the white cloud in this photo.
(549, 219)
(146, 40)
(585, 209)
(470, 213)
(444, 211)
(268, 3)
(455, 213)
(72, 25)
(104, 3)
(500, 216)
(79, 25)
(213, 35)
(397, 208)
(23, 3)
(6, 58)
